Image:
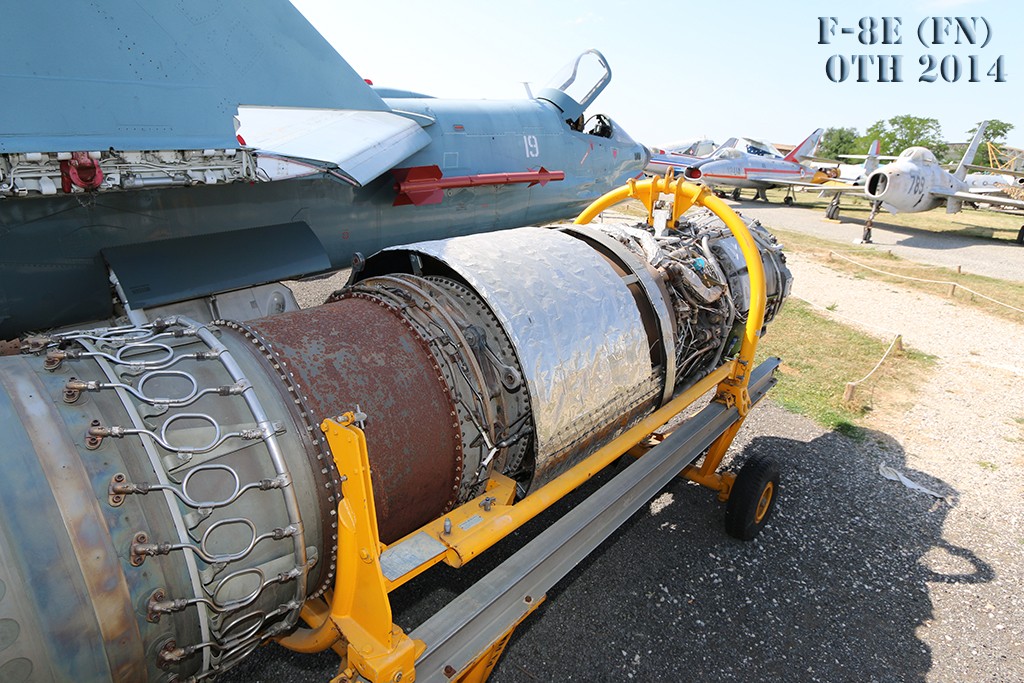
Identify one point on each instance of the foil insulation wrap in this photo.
(575, 327)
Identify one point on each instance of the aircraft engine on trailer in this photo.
(170, 502)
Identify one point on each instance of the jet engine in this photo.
(170, 502)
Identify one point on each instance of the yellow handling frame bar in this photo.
(733, 390)
(355, 619)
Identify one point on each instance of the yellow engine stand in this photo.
(355, 618)
(358, 611)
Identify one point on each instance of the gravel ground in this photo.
(856, 578)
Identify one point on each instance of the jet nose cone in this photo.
(645, 155)
(878, 183)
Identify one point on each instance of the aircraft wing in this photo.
(997, 171)
(986, 190)
(973, 197)
(827, 190)
(821, 160)
(777, 179)
(361, 144)
(177, 77)
(880, 157)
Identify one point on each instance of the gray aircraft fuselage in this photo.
(53, 271)
(751, 171)
(128, 164)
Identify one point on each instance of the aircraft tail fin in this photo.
(805, 148)
(871, 162)
(961, 170)
(728, 144)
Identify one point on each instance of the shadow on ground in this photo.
(834, 589)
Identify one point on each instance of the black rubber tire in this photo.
(736, 194)
(1020, 235)
(831, 213)
(787, 200)
(745, 513)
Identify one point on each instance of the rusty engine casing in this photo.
(170, 501)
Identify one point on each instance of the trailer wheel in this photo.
(753, 497)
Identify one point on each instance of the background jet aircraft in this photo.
(129, 171)
(995, 181)
(758, 165)
(678, 156)
(854, 174)
(915, 182)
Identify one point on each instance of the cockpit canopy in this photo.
(758, 148)
(919, 155)
(577, 84)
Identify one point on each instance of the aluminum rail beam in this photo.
(463, 630)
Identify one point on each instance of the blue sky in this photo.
(684, 69)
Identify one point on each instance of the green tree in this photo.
(900, 132)
(836, 141)
(995, 132)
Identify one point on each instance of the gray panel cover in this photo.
(139, 75)
(574, 324)
(164, 271)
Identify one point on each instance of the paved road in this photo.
(995, 258)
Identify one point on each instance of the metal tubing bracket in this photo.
(359, 608)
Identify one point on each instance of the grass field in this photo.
(820, 356)
(969, 222)
(900, 271)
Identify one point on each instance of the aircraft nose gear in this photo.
(866, 236)
(832, 212)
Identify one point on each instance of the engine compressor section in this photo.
(172, 502)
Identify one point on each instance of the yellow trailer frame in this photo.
(355, 618)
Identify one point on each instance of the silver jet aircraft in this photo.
(678, 156)
(745, 163)
(916, 182)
